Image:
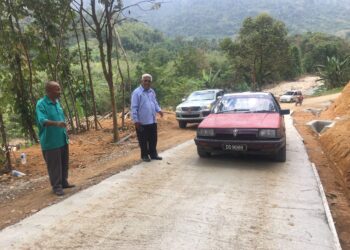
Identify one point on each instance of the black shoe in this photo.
(157, 158)
(146, 159)
(58, 192)
(69, 186)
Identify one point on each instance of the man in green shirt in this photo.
(53, 137)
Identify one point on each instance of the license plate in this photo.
(235, 147)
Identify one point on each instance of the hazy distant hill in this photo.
(217, 18)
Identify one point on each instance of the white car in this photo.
(290, 96)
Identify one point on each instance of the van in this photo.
(290, 96)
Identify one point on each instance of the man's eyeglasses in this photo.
(147, 80)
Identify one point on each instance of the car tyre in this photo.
(182, 124)
(203, 154)
(281, 155)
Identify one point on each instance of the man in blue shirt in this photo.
(144, 108)
(53, 137)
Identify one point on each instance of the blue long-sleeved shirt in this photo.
(144, 106)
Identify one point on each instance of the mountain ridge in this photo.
(201, 18)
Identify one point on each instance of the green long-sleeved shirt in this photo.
(51, 137)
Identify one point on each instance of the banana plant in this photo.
(334, 72)
(210, 78)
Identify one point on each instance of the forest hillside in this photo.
(224, 18)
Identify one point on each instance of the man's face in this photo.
(146, 82)
(55, 91)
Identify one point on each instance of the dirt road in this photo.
(185, 202)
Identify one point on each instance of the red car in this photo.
(249, 123)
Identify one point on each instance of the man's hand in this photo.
(55, 124)
(137, 125)
(61, 124)
(161, 113)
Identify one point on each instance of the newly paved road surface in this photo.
(185, 202)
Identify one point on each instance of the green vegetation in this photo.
(260, 54)
(99, 65)
(324, 91)
(335, 72)
(316, 47)
(213, 19)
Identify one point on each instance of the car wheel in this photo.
(203, 154)
(182, 124)
(281, 155)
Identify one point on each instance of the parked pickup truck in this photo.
(197, 106)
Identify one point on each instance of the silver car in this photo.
(197, 106)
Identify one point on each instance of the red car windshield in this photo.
(249, 104)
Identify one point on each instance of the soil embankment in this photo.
(336, 140)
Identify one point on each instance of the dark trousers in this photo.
(147, 136)
(57, 166)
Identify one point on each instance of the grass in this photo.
(323, 91)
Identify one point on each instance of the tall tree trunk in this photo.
(59, 43)
(261, 76)
(74, 106)
(253, 75)
(48, 54)
(18, 81)
(108, 73)
(122, 85)
(8, 165)
(26, 53)
(109, 43)
(70, 116)
(126, 60)
(84, 78)
(87, 58)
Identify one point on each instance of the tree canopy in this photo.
(261, 51)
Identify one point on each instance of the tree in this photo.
(316, 47)
(260, 53)
(103, 28)
(103, 25)
(12, 53)
(85, 98)
(88, 67)
(51, 23)
(5, 156)
(335, 72)
(191, 62)
(295, 65)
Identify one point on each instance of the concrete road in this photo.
(185, 202)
